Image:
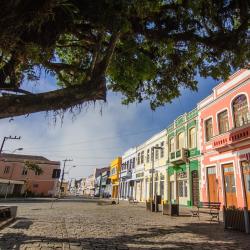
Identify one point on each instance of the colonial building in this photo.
(155, 159)
(106, 188)
(98, 180)
(115, 169)
(90, 186)
(127, 171)
(21, 179)
(183, 163)
(225, 142)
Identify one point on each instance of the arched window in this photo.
(172, 145)
(223, 122)
(180, 141)
(209, 129)
(192, 138)
(240, 111)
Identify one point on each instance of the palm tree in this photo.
(33, 167)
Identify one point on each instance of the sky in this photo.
(99, 133)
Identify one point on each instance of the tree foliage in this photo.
(33, 167)
(144, 49)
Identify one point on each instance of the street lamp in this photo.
(17, 149)
(152, 171)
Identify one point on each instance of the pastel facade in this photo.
(115, 169)
(183, 162)
(225, 142)
(127, 174)
(154, 160)
(12, 168)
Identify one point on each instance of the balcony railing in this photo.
(180, 156)
(231, 137)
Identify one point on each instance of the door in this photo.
(229, 184)
(171, 191)
(195, 188)
(246, 173)
(213, 194)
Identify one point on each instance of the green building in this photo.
(183, 162)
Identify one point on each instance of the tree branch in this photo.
(58, 99)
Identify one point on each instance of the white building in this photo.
(127, 172)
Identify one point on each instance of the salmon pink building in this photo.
(16, 179)
(224, 131)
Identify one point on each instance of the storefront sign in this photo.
(139, 175)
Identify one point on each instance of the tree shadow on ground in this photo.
(196, 235)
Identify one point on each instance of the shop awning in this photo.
(3, 181)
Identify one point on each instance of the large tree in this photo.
(144, 49)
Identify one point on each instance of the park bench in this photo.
(211, 208)
(131, 200)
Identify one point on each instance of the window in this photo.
(192, 138)
(182, 187)
(162, 150)
(156, 152)
(6, 170)
(56, 173)
(25, 171)
(223, 122)
(209, 129)
(180, 141)
(133, 162)
(172, 145)
(152, 154)
(142, 157)
(138, 158)
(130, 163)
(240, 111)
(148, 156)
(35, 185)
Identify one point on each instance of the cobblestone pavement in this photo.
(86, 225)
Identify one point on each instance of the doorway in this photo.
(246, 174)
(229, 184)
(195, 188)
(213, 194)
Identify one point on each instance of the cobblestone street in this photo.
(86, 225)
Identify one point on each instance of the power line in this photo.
(100, 139)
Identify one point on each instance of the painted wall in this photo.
(226, 148)
(42, 184)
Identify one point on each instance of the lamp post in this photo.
(152, 173)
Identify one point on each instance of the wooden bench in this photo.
(131, 200)
(211, 208)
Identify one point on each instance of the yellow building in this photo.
(115, 168)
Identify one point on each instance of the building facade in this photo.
(106, 188)
(12, 168)
(183, 162)
(90, 186)
(115, 170)
(225, 142)
(155, 159)
(127, 172)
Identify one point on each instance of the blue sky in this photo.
(94, 138)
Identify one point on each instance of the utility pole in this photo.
(64, 165)
(8, 138)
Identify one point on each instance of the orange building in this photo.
(12, 168)
(115, 169)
